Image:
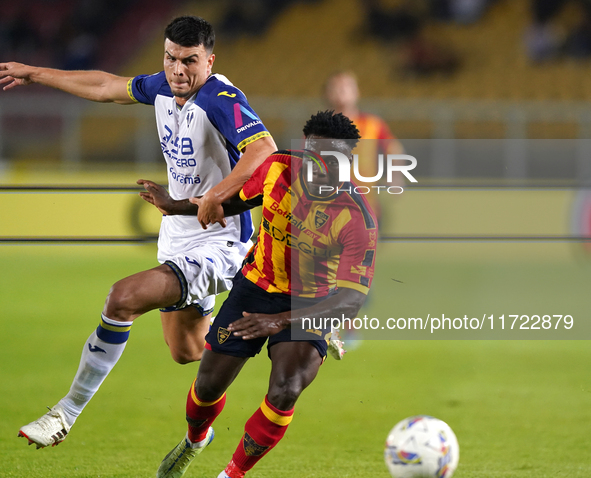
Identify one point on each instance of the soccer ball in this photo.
(421, 447)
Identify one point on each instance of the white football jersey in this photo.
(201, 142)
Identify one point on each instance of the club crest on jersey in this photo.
(320, 219)
(223, 334)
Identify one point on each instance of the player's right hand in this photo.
(14, 74)
(204, 205)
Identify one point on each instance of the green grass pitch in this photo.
(519, 408)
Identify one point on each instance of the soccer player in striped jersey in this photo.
(314, 258)
(212, 141)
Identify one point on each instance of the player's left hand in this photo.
(158, 196)
(210, 211)
(252, 326)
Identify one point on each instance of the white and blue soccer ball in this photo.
(422, 447)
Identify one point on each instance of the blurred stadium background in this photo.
(442, 73)
(493, 98)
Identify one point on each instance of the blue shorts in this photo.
(248, 297)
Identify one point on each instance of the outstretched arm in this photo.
(250, 326)
(91, 85)
(159, 197)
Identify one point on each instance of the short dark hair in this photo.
(328, 124)
(190, 31)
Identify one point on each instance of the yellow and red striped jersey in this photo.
(308, 245)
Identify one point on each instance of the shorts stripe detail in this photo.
(203, 311)
(112, 334)
(184, 288)
(130, 91)
(252, 139)
(198, 307)
(274, 417)
(199, 402)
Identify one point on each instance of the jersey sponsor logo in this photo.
(185, 144)
(186, 162)
(179, 150)
(239, 110)
(169, 112)
(223, 334)
(320, 219)
(225, 93)
(279, 234)
(294, 221)
(184, 178)
(94, 348)
(190, 117)
(249, 125)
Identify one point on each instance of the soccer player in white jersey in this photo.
(212, 141)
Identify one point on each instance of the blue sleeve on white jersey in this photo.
(228, 110)
(145, 88)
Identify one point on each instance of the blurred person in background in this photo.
(212, 141)
(546, 39)
(341, 92)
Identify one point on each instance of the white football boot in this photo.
(50, 429)
(336, 346)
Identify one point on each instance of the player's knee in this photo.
(284, 395)
(184, 350)
(184, 357)
(207, 391)
(120, 303)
